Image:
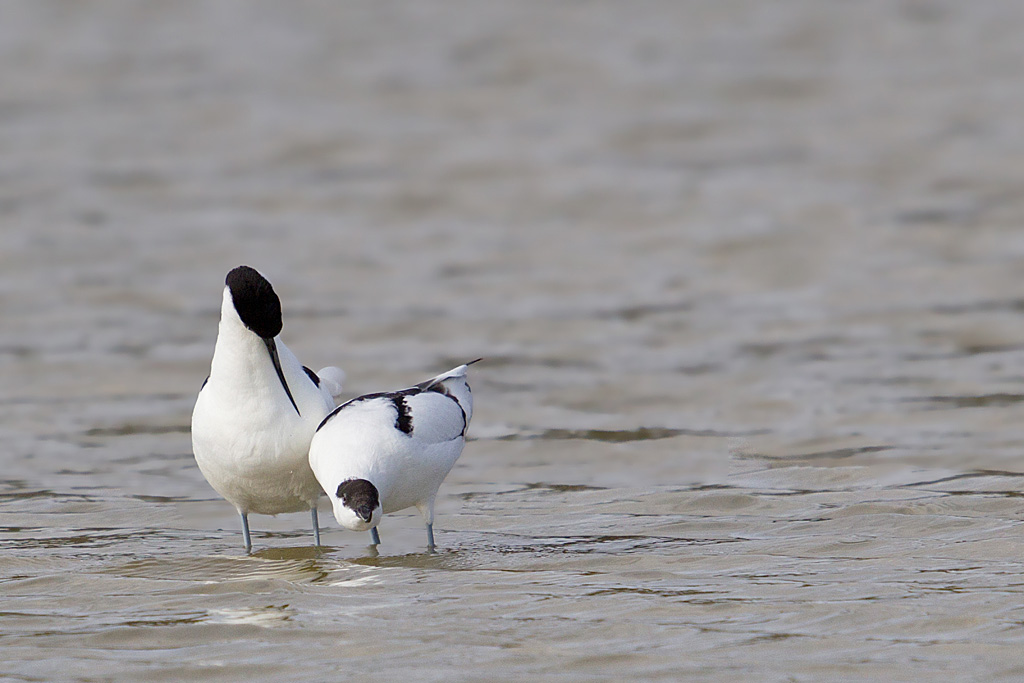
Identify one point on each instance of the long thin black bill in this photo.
(272, 348)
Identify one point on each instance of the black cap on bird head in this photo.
(259, 309)
(360, 496)
(255, 301)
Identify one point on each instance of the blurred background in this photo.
(737, 269)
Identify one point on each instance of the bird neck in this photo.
(240, 358)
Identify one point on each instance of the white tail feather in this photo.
(332, 379)
(454, 372)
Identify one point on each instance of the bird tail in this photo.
(454, 372)
(332, 379)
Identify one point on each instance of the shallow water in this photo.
(746, 276)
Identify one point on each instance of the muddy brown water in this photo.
(748, 279)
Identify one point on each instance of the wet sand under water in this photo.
(746, 277)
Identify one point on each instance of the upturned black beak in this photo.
(272, 349)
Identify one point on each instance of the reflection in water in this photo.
(267, 616)
(297, 568)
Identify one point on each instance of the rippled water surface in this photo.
(748, 279)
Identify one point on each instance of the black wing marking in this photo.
(313, 376)
(397, 399)
(403, 418)
(403, 422)
(329, 416)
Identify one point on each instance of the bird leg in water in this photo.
(245, 532)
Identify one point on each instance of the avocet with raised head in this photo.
(385, 452)
(259, 408)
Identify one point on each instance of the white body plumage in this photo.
(256, 414)
(398, 446)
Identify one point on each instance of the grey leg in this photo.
(245, 532)
(426, 509)
(316, 527)
(374, 536)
